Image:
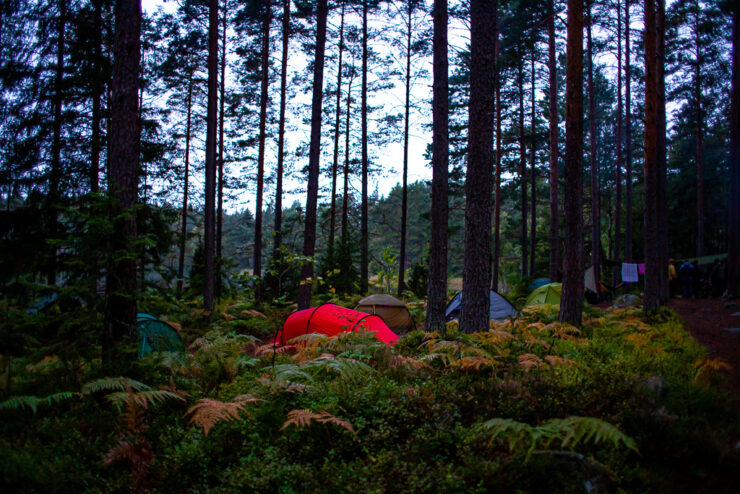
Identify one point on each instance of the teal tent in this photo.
(156, 336)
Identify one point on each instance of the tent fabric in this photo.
(545, 295)
(330, 319)
(156, 336)
(538, 283)
(499, 307)
(394, 312)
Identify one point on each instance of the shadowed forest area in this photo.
(208, 283)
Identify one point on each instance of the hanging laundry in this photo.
(641, 268)
(629, 272)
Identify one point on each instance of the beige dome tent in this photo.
(394, 312)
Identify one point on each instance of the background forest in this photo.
(219, 164)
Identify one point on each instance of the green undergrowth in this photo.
(532, 405)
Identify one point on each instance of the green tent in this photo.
(546, 294)
(156, 336)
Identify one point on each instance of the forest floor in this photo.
(716, 325)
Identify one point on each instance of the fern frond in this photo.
(707, 370)
(16, 402)
(268, 349)
(398, 361)
(567, 433)
(495, 337)
(291, 372)
(475, 362)
(61, 396)
(144, 399)
(309, 340)
(347, 368)
(556, 361)
(530, 361)
(112, 384)
(434, 356)
(208, 412)
(303, 418)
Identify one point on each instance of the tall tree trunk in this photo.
(571, 304)
(661, 169)
(476, 265)
(55, 173)
(210, 182)
(124, 136)
(699, 144)
(437, 287)
(346, 259)
(497, 177)
(184, 229)
(628, 137)
(281, 133)
(616, 251)
(266, 21)
(533, 181)
(335, 163)
(220, 184)
(552, 66)
(309, 239)
(363, 112)
(733, 227)
(404, 191)
(595, 203)
(522, 164)
(97, 95)
(652, 128)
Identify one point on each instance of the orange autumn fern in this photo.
(207, 412)
(707, 370)
(303, 418)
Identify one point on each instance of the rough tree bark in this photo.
(404, 192)
(522, 164)
(186, 178)
(264, 96)
(699, 144)
(595, 203)
(497, 177)
(120, 310)
(628, 137)
(437, 287)
(309, 239)
(661, 170)
(210, 179)
(55, 172)
(335, 162)
(733, 229)
(478, 178)
(363, 113)
(533, 179)
(220, 179)
(616, 252)
(97, 95)
(281, 134)
(571, 304)
(553, 91)
(652, 128)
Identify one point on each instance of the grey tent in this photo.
(394, 312)
(499, 309)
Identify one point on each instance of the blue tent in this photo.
(538, 283)
(499, 310)
(156, 336)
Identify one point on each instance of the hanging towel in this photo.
(589, 280)
(629, 272)
(641, 268)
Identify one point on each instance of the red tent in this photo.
(330, 319)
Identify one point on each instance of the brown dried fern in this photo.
(303, 418)
(207, 412)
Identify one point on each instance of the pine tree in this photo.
(210, 178)
(120, 313)
(478, 186)
(309, 239)
(437, 286)
(571, 303)
(733, 256)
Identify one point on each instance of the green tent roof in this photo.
(156, 336)
(546, 294)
